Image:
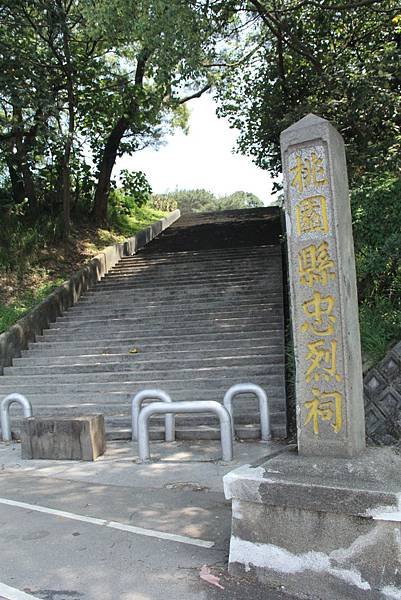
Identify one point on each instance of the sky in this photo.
(203, 158)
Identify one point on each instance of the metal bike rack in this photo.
(158, 395)
(185, 407)
(250, 388)
(5, 413)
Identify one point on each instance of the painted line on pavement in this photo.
(13, 594)
(182, 539)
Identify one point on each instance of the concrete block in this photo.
(63, 438)
(322, 527)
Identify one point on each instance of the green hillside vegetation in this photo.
(193, 201)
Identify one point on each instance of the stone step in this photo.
(199, 322)
(136, 365)
(206, 279)
(125, 373)
(214, 260)
(203, 432)
(167, 312)
(242, 286)
(227, 296)
(212, 254)
(133, 385)
(164, 305)
(122, 418)
(179, 281)
(183, 270)
(245, 269)
(265, 282)
(225, 254)
(158, 295)
(167, 331)
(120, 399)
(235, 312)
(91, 357)
(223, 338)
(159, 347)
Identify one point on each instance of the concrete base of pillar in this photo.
(63, 438)
(323, 527)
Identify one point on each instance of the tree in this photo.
(47, 62)
(239, 200)
(195, 201)
(188, 201)
(164, 55)
(88, 79)
(337, 59)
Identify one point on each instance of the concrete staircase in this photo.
(198, 310)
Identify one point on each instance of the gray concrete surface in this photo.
(324, 526)
(57, 558)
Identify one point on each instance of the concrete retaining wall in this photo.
(24, 331)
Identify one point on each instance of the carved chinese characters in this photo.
(318, 290)
(321, 293)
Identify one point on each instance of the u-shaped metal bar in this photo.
(157, 395)
(196, 406)
(250, 388)
(5, 413)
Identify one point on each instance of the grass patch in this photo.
(10, 313)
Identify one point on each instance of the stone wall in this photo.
(382, 392)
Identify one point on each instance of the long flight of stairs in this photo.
(198, 310)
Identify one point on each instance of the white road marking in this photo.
(182, 539)
(13, 594)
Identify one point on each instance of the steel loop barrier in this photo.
(157, 395)
(202, 406)
(5, 413)
(250, 388)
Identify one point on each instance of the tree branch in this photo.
(197, 94)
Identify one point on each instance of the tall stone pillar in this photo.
(323, 519)
(329, 392)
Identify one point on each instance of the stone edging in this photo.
(24, 331)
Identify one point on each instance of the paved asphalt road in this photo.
(67, 533)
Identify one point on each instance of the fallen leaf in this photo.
(133, 351)
(206, 575)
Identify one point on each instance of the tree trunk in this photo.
(29, 185)
(65, 163)
(109, 156)
(66, 190)
(23, 143)
(107, 163)
(17, 184)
